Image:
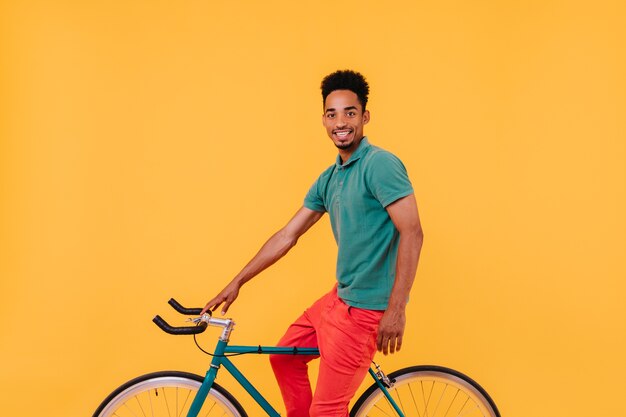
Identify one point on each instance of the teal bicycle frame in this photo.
(220, 358)
(222, 351)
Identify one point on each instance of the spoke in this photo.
(451, 402)
(469, 410)
(150, 398)
(400, 400)
(423, 398)
(211, 409)
(414, 402)
(139, 404)
(383, 411)
(167, 404)
(185, 403)
(129, 409)
(440, 397)
(427, 402)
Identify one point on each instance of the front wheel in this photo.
(167, 394)
(431, 391)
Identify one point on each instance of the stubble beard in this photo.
(344, 146)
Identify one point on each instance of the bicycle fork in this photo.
(384, 382)
(204, 389)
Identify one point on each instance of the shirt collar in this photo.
(364, 146)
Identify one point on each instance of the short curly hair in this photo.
(346, 80)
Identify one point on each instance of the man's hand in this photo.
(390, 331)
(226, 297)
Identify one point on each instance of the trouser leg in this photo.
(346, 337)
(347, 343)
(291, 371)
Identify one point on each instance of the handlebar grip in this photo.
(184, 310)
(163, 325)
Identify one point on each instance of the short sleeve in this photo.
(313, 200)
(387, 178)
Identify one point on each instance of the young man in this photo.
(375, 221)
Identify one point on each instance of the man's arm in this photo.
(274, 249)
(405, 217)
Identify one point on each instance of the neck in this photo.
(345, 155)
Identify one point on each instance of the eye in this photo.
(330, 115)
(351, 114)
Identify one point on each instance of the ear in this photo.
(366, 117)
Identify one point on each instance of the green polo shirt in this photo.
(355, 195)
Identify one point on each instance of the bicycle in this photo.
(422, 391)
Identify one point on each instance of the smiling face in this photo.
(344, 119)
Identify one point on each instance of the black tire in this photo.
(148, 395)
(427, 390)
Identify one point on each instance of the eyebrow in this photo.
(345, 108)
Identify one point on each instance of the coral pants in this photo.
(346, 338)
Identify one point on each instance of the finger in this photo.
(379, 342)
(399, 343)
(385, 345)
(213, 304)
(225, 308)
(207, 307)
(392, 345)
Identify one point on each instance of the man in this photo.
(376, 224)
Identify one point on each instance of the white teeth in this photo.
(342, 134)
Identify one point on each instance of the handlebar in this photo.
(177, 330)
(202, 321)
(183, 310)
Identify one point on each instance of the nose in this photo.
(340, 121)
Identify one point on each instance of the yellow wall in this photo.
(149, 148)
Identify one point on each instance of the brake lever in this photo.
(203, 318)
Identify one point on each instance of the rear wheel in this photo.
(427, 391)
(167, 394)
